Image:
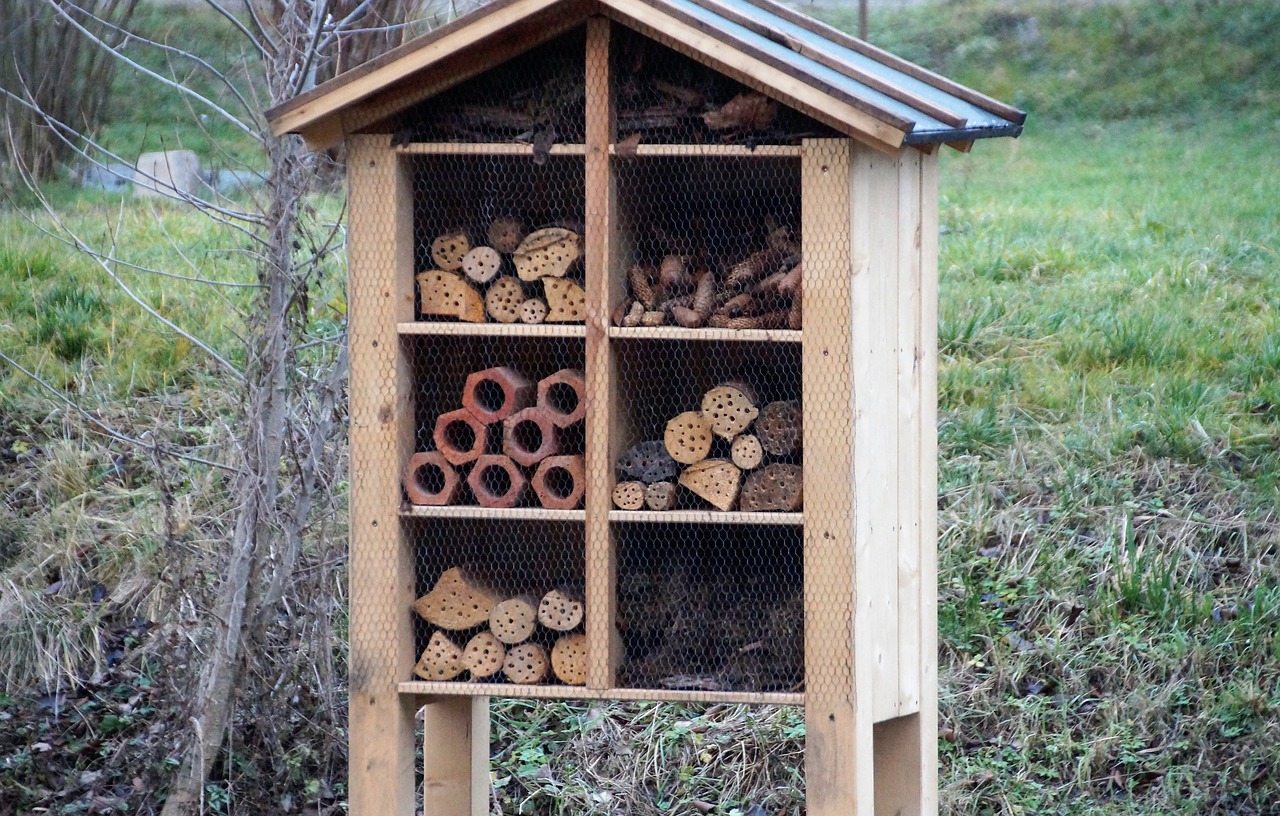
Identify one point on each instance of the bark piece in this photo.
(730, 408)
(481, 264)
(526, 664)
(687, 437)
(660, 495)
(430, 480)
(773, 487)
(629, 495)
(715, 480)
(513, 620)
(569, 659)
(529, 436)
(547, 253)
(566, 301)
(449, 249)
(560, 481)
(648, 462)
(460, 436)
(483, 655)
(496, 393)
(505, 233)
(504, 298)
(781, 427)
(533, 311)
(458, 601)
(561, 609)
(446, 294)
(746, 451)
(441, 660)
(563, 397)
(497, 482)
(752, 111)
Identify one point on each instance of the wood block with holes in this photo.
(526, 664)
(562, 609)
(441, 660)
(566, 301)
(547, 253)
(446, 294)
(746, 451)
(513, 620)
(660, 496)
(730, 408)
(481, 264)
(648, 462)
(715, 480)
(569, 659)
(533, 311)
(449, 249)
(629, 495)
(773, 487)
(781, 427)
(687, 437)
(458, 601)
(483, 655)
(505, 233)
(503, 300)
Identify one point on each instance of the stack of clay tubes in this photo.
(503, 409)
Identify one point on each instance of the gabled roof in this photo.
(850, 85)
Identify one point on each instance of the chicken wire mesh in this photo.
(696, 408)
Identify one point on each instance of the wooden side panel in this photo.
(838, 748)
(604, 653)
(876, 466)
(455, 744)
(381, 564)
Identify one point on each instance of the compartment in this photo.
(492, 233)
(710, 608)
(708, 241)
(537, 97)
(695, 400)
(662, 96)
(490, 578)
(500, 417)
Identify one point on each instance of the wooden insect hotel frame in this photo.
(643, 310)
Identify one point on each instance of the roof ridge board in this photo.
(976, 98)
(834, 61)
(727, 36)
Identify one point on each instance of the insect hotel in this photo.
(642, 327)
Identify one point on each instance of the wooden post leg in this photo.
(455, 757)
(898, 789)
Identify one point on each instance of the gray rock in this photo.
(170, 174)
(109, 177)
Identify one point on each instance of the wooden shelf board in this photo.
(429, 327)
(476, 512)
(681, 333)
(557, 692)
(705, 517)
(485, 149)
(728, 151)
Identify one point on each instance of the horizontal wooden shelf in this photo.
(429, 327)
(485, 149)
(551, 692)
(705, 517)
(468, 511)
(727, 151)
(681, 333)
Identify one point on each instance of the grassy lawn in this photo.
(1109, 584)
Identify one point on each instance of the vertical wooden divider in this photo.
(381, 562)
(603, 649)
(839, 778)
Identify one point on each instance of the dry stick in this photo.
(441, 660)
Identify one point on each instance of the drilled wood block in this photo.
(496, 393)
(781, 427)
(529, 436)
(569, 659)
(459, 600)
(483, 655)
(429, 479)
(526, 664)
(513, 620)
(628, 495)
(560, 482)
(460, 436)
(688, 437)
(441, 660)
(562, 609)
(497, 482)
(773, 487)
